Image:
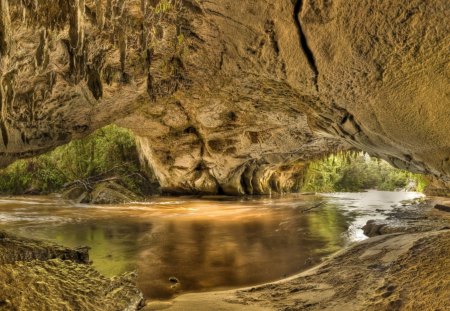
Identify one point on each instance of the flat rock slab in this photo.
(13, 249)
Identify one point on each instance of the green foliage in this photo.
(356, 172)
(163, 6)
(107, 153)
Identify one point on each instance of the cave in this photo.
(229, 102)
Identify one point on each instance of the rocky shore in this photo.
(36, 275)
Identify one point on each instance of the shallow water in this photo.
(206, 243)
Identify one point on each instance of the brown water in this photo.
(206, 243)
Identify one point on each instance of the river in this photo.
(203, 243)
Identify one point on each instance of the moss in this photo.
(163, 6)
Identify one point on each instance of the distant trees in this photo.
(350, 172)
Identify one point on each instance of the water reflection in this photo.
(204, 243)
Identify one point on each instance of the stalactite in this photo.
(121, 30)
(122, 48)
(42, 57)
(7, 97)
(100, 14)
(5, 28)
(80, 17)
(144, 28)
(76, 37)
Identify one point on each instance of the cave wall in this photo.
(226, 149)
(387, 65)
(437, 187)
(225, 96)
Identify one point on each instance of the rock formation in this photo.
(225, 96)
(437, 187)
(42, 276)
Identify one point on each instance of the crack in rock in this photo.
(304, 43)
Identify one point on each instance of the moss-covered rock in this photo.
(102, 193)
(75, 193)
(112, 193)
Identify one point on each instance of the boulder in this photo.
(112, 193)
(108, 192)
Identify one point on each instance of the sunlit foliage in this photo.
(108, 153)
(357, 172)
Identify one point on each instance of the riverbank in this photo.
(405, 270)
(37, 275)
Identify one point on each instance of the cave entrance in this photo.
(190, 244)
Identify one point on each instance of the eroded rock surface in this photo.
(36, 275)
(250, 154)
(437, 187)
(13, 249)
(225, 97)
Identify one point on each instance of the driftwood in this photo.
(313, 207)
(89, 182)
(444, 208)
